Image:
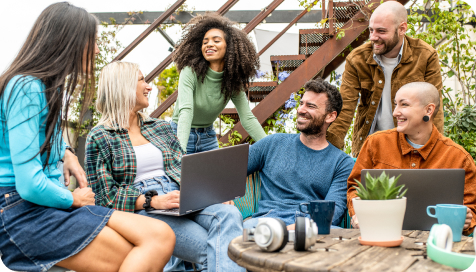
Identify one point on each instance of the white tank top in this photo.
(150, 162)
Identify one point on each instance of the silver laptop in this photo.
(211, 177)
(425, 187)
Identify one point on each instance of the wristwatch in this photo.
(148, 198)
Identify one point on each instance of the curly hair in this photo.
(241, 61)
(334, 99)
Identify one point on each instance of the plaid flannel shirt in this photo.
(111, 164)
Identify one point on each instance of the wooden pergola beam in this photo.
(149, 30)
(262, 15)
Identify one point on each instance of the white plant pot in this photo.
(380, 220)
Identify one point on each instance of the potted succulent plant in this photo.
(380, 209)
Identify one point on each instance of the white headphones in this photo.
(271, 234)
(439, 245)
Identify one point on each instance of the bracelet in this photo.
(148, 198)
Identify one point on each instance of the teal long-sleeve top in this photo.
(23, 107)
(199, 104)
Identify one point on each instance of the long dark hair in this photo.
(53, 53)
(241, 61)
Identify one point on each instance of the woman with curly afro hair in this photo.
(216, 61)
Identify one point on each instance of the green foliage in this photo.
(234, 137)
(381, 188)
(461, 128)
(340, 34)
(167, 84)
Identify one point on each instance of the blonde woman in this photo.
(130, 156)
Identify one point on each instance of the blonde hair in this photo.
(116, 95)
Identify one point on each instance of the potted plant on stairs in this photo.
(380, 209)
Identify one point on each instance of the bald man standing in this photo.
(415, 144)
(376, 70)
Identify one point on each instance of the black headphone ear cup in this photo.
(300, 234)
(285, 236)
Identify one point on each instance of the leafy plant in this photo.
(234, 137)
(461, 128)
(381, 188)
(167, 84)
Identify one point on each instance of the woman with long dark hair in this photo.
(42, 223)
(216, 61)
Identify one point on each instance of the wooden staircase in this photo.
(259, 90)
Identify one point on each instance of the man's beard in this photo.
(314, 127)
(388, 46)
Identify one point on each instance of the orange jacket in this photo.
(389, 149)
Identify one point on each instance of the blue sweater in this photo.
(291, 173)
(24, 110)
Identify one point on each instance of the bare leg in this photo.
(128, 242)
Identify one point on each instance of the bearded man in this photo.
(298, 168)
(376, 70)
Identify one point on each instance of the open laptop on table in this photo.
(425, 187)
(211, 177)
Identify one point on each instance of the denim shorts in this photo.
(34, 238)
(162, 184)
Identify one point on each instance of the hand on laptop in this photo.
(469, 217)
(166, 202)
(355, 222)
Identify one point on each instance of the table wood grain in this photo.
(341, 251)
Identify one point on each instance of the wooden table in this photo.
(341, 251)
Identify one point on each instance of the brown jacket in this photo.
(364, 76)
(389, 149)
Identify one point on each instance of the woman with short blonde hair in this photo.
(133, 163)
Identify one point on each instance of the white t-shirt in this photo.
(384, 112)
(150, 162)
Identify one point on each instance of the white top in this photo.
(150, 162)
(385, 114)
